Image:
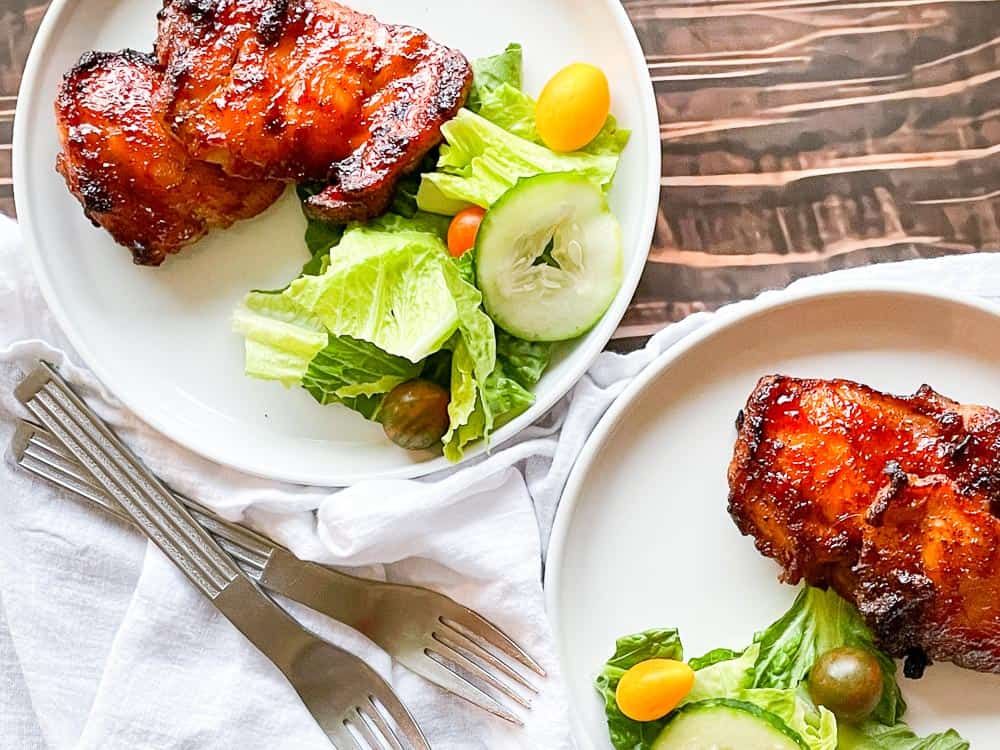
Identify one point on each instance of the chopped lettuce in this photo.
(355, 373)
(476, 427)
(396, 289)
(770, 674)
(816, 725)
(722, 678)
(874, 736)
(432, 224)
(464, 398)
(520, 365)
(524, 361)
(505, 395)
(281, 338)
(716, 656)
(466, 265)
(491, 72)
(476, 327)
(481, 161)
(506, 399)
(817, 622)
(388, 298)
(511, 109)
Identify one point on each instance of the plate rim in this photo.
(585, 354)
(658, 367)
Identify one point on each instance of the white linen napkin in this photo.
(104, 645)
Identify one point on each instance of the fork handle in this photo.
(150, 505)
(338, 595)
(254, 549)
(162, 517)
(266, 625)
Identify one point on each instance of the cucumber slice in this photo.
(723, 724)
(561, 294)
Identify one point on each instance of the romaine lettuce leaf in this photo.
(419, 222)
(476, 327)
(481, 161)
(817, 622)
(816, 725)
(722, 678)
(356, 374)
(524, 361)
(506, 399)
(389, 297)
(512, 109)
(474, 429)
(611, 139)
(494, 404)
(464, 398)
(395, 289)
(874, 736)
(496, 70)
(625, 733)
(505, 395)
(466, 265)
(281, 338)
(715, 656)
(520, 364)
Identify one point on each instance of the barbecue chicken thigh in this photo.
(890, 500)
(129, 173)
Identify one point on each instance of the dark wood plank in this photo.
(801, 137)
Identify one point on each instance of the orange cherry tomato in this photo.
(653, 688)
(463, 230)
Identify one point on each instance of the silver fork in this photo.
(348, 699)
(429, 633)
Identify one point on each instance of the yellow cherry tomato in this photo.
(573, 107)
(653, 688)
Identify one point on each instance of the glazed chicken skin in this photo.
(889, 500)
(130, 175)
(306, 90)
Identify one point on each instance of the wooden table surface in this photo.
(799, 136)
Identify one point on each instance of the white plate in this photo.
(161, 340)
(642, 538)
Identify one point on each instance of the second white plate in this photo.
(642, 538)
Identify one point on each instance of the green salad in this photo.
(813, 680)
(448, 346)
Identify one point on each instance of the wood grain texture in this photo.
(799, 137)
